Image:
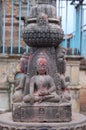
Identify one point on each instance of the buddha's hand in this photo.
(42, 93)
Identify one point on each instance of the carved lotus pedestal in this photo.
(44, 112)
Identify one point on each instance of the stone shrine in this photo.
(44, 97)
(41, 98)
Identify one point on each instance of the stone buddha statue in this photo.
(42, 87)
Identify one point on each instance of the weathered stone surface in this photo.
(46, 88)
(8, 68)
(73, 71)
(43, 28)
(10, 64)
(45, 112)
(4, 100)
(83, 99)
(78, 123)
(75, 93)
(73, 63)
(47, 9)
(44, 35)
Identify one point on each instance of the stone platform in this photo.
(42, 112)
(78, 123)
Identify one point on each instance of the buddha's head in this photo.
(42, 66)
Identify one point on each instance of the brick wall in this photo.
(9, 26)
(8, 22)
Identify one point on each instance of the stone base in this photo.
(50, 112)
(78, 123)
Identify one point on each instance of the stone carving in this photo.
(19, 89)
(61, 62)
(41, 33)
(24, 63)
(42, 87)
(42, 20)
(44, 80)
(42, 112)
(20, 83)
(42, 96)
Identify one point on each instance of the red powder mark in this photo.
(42, 61)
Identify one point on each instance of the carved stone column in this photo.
(73, 63)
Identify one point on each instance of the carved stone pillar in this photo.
(73, 63)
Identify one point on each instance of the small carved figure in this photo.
(42, 87)
(65, 81)
(62, 87)
(24, 63)
(19, 88)
(61, 62)
(42, 19)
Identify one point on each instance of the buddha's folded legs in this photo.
(46, 98)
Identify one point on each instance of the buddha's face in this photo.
(41, 66)
(42, 70)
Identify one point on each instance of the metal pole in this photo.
(61, 7)
(28, 7)
(58, 7)
(1, 23)
(4, 25)
(73, 31)
(12, 27)
(28, 11)
(19, 35)
(83, 46)
(66, 24)
(81, 30)
(78, 28)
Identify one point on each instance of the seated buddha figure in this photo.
(42, 86)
